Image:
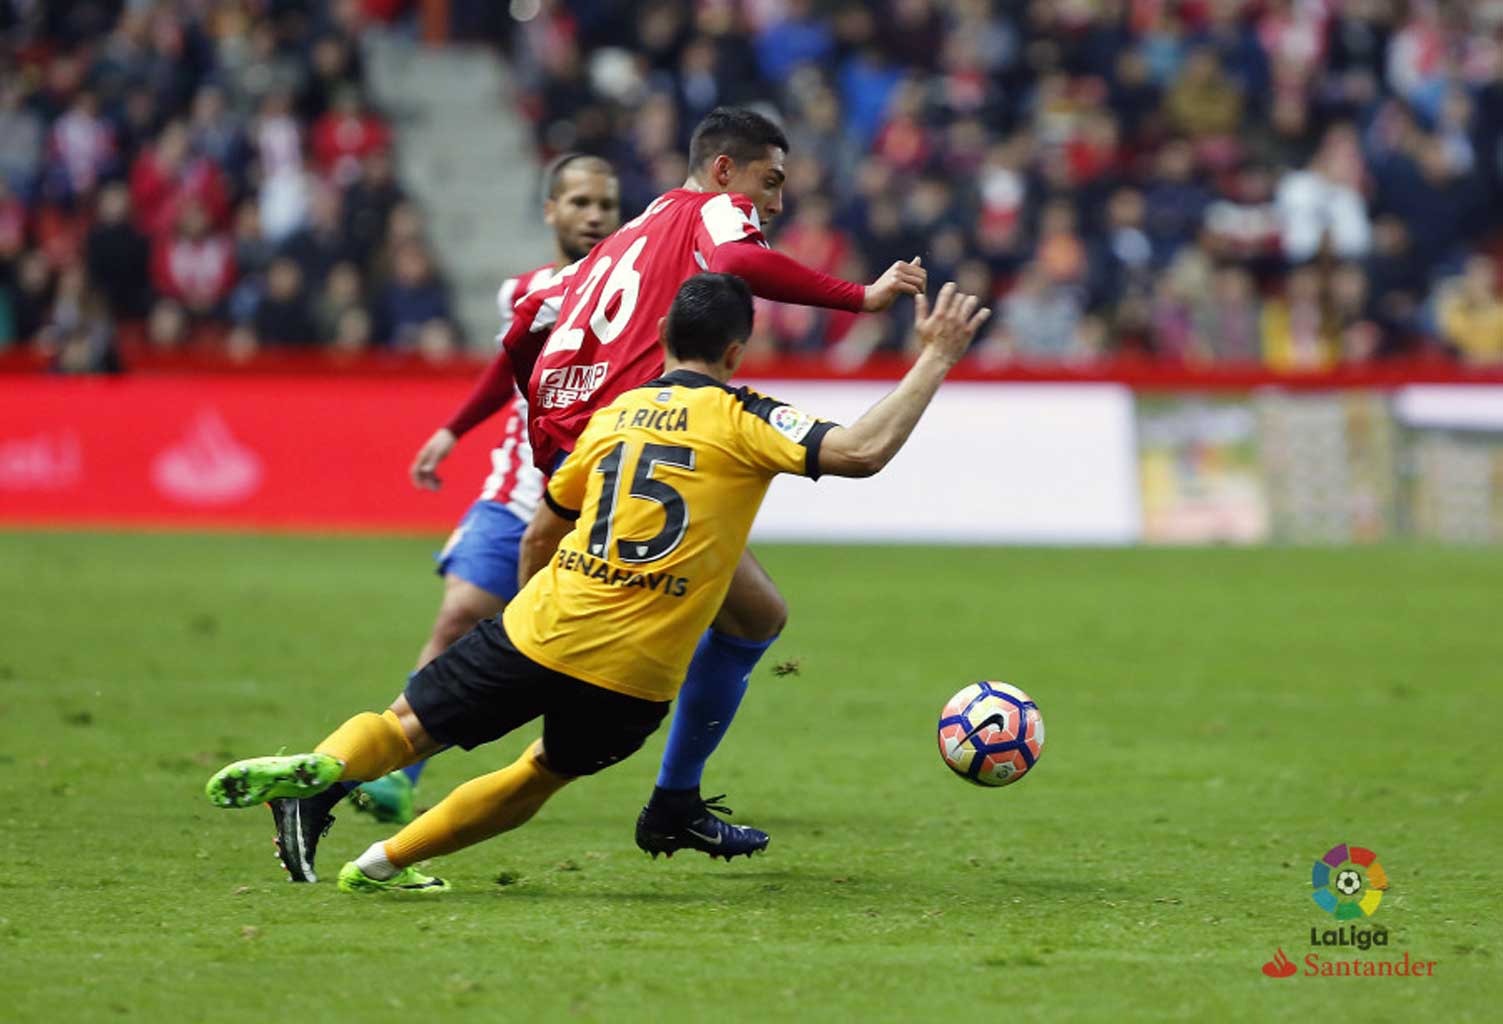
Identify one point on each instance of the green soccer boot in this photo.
(259, 779)
(388, 799)
(409, 879)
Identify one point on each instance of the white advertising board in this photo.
(1451, 406)
(988, 464)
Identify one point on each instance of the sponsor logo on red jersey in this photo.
(569, 384)
(604, 320)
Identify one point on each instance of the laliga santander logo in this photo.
(208, 466)
(1348, 882)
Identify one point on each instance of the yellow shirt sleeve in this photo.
(777, 438)
(565, 493)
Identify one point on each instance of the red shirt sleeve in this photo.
(725, 218)
(492, 390)
(532, 321)
(517, 350)
(771, 275)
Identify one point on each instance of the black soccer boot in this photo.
(300, 825)
(681, 820)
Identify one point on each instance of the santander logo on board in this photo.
(207, 466)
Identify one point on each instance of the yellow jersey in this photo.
(663, 485)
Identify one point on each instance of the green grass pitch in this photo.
(1217, 719)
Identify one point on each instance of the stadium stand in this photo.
(203, 177)
(1301, 183)
(1287, 185)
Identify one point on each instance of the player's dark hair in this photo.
(709, 313)
(739, 133)
(553, 177)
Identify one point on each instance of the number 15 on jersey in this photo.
(613, 515)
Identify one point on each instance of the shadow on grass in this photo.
(768, 888)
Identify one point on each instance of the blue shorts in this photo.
(485, 549)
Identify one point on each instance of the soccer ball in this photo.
(1348, 882)
(991, 734)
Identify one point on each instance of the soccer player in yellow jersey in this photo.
(641, 531)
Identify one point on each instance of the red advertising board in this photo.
(212, 450)
(262, 449)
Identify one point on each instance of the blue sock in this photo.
(412, 771)
(712, 692)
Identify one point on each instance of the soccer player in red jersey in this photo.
(592, 334)
(480, 561)
(583, 208)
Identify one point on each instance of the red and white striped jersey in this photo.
(514, 481)
(604, 310)
(512, 291)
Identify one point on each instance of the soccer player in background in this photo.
(592, 334)
(478, 564)
(645, 520)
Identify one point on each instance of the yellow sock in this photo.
(370, 745)
(477, 810)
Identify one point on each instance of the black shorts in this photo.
(482, 688)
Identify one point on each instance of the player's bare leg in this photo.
(463, 605)
(390, 798)
(413, 732)
(677, 817)
(754, 609)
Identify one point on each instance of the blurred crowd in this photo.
(1292, 183)
(211, 170)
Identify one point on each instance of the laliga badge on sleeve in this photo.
(791, 423)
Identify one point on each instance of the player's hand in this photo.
(424, 471)
(947, 329)
(902, 278)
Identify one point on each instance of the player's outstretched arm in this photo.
(945, 332)
(772, 275)
(905, 277)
